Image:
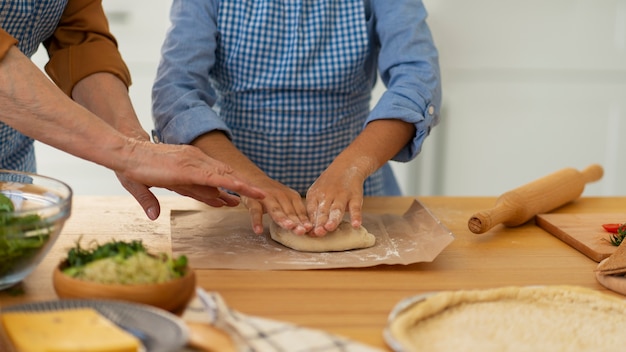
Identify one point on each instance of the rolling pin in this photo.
(545, 194)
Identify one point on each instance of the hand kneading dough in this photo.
(344, 238)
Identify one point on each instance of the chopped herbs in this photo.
(78, 256)
(122, 262)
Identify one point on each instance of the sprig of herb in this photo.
(617, 238)
(179, 264)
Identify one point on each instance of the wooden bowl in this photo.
(172, 296)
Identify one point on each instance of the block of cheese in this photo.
(82, 329)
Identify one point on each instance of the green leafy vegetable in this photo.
(6, 205)
(20, 236)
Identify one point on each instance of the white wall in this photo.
(529, 88)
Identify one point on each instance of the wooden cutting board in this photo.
(584, 232)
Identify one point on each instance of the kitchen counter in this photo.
(353, 303)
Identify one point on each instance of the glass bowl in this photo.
(30, 223)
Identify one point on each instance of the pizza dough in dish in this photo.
(550, 318)
(344, 238)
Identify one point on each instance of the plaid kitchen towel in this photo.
(254, 334)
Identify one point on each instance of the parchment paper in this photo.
(223, 239)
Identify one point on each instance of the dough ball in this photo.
(344, 238)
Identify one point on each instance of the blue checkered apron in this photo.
(292, 83)
(31, 22)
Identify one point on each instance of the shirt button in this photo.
(431, 110)
(155, 137)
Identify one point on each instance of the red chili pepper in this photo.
(612, 228)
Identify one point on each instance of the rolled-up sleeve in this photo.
(408, 64)
(182, 95)
(6, 42)
(82, 45)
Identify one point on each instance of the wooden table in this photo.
(349, 302)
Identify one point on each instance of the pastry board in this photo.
(584, 232)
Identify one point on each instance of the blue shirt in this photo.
(290, 82)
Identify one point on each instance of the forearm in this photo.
(379, 141)
(106, 96)
(218, 146)
(33, 105)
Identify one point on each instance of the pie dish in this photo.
(530, 318)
